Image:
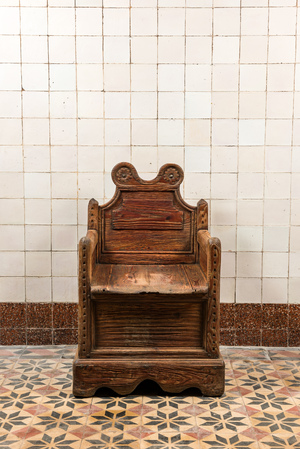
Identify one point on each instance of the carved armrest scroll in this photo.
(87, 260)
(210, 262)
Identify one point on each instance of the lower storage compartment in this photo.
(148, 322)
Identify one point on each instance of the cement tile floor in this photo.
(260, 408)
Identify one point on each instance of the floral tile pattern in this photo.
(260, 408)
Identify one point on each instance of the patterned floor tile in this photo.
(61, 402)
(168, 419)
(259, 409)
(226, 441)
(6, 364)
(228, 402)
(14, 418)
(293, 382)
(11, 351)
(62, 380)
(249, 366)
(36, 352)
(224, 421)
(296, 400)
(278, 442)
(108, 402)
(27, 379)
(287, 366)
(9, 441)
(110, 440)
(264, 401)
(114, 420)
(35, 365)
(273, 421)
(259, 382)
(284, 354)
(245, 353)
(169, 440)
(175, 402)
(52, 439)
(63, 420)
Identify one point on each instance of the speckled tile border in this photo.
(241, 324)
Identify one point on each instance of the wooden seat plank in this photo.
(196, 277)
(163, 279)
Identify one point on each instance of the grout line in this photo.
(77, 127)
(238, 158)
(23, 166)
(50, 165)
(130, 81)
(291, 162)
(103, 106)
(264, 169)
(211, 113)
(157, 87)
(184, 98)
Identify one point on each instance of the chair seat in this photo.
(164, 279)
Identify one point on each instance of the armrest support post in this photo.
(210, 262)
(87, 260)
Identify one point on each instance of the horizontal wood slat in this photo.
(128, 279)
(147, 214)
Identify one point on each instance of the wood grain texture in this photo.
(159, 236)
(147, 214)
(148, 322)
(149, 290)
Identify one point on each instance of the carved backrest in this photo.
(148, 221)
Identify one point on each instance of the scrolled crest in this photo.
(124, 174)
(169, 177)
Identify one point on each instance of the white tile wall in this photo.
(213, 86)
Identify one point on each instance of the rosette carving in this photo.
(123, 175)
(171, 175)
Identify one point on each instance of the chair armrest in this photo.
(209, 253)
(87, 261)
(210, 263)
(87, 253)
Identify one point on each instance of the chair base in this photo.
(124, 374)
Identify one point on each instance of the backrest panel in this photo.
(138, 212)
(147, 221)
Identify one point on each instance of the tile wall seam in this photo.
(184, 99)
(238, 155)
(23, 156)
(264, 163)
(77, 149)
(103, 105)
(211, 110)
(157, 91)
(50, 161)
(130, 81)
(291, 155)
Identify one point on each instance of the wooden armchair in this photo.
(149, 286)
